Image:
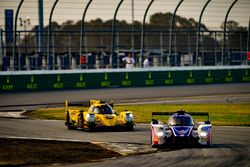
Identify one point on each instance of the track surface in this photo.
(231, 144)
(220, 93)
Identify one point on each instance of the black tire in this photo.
(211, 144)
(130, 127)
(82, 121)
(67, 119)
(68, 123)
(151, 141)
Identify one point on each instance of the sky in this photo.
(213, 16)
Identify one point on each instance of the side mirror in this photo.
(167, 127)
(195, 127)
(111, 103)
(115, 112)
(207, 122)
(154, 121)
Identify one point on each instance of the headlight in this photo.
(129, 117)
(168, 133)
(203, 134)
(204, 131)
(160, 133)
(194, 134)
(90, 117)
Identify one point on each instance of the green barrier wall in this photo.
(11, 82)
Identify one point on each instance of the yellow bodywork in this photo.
(107, 120)
(99, 114)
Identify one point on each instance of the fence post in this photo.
(143, 30)
(83, 30)
(40, 29)
(69, 49)
(161, 46)
(248, 35)
(1, 49)
(133, 28)
(113, 33)
(224, 32)
(14, 42)
(49, 38)
(199, 29)
(171, 32)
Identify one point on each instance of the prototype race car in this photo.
(99, 115)
(180, 129)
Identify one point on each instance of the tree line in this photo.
(98, 35)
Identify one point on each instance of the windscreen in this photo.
(180, 121)
(103, 109)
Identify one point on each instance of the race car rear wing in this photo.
(74, 104)
(85, 104)
(182, 112)
(92, 102)
(77, 104)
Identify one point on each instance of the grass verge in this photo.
(20, 152)
(220, 114)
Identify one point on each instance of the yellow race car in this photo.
(99, 115)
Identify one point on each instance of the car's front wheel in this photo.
(130, 127)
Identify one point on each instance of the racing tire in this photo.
(68, 122)
(82, 121)
(151, 141)
(210, 145)
(130, 127)
(91, 127)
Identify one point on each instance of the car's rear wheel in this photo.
(210, 144)
(82, 121)
(152, 142)
(68, 122)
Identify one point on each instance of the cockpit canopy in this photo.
(101, 109)
(180, 120)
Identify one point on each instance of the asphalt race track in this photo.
(231, 144)
(219, 93)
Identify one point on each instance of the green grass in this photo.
(220, 114)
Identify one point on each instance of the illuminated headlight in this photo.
(90, 117)
(168, 133)
(160, 133)
(204, 131)
(194, 134)
(203, 134)
(129, 117)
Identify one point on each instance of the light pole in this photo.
(133, 28)
(171, 33)
(114, 34)
(24, 22)
(14, 40)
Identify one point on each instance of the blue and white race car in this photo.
(180, 129)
